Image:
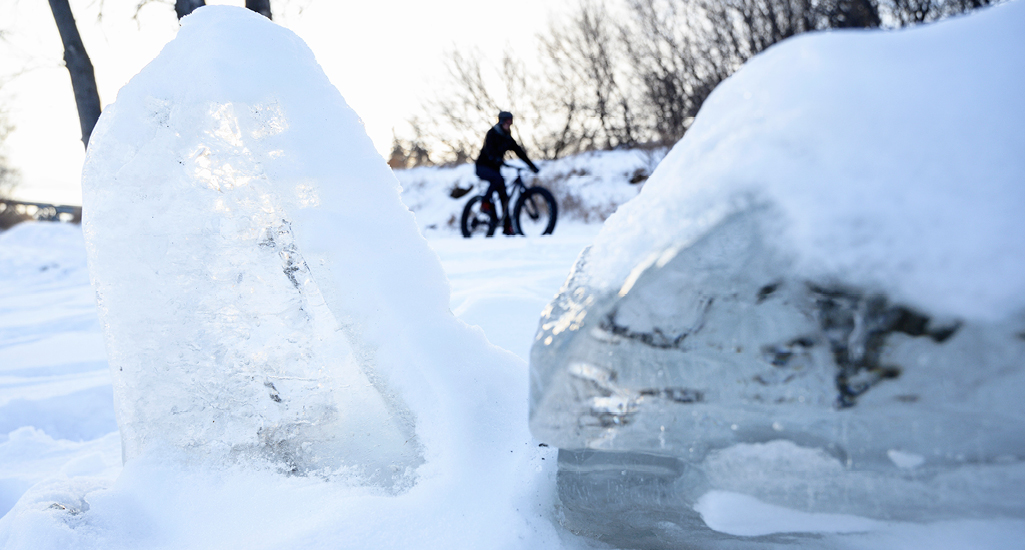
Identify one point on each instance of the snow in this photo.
(503, 284)
(746, 516)
(894, 160)
(67, 445)
(39, 388)
(483, 481)
(905, 460)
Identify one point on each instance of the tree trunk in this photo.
(185, 7)
(261, 7)
(83, 79)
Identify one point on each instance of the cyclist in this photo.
(497, 143)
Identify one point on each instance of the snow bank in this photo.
(50, 357)
(277, 329)
(56, 410)
(51, 249)
(895, 159)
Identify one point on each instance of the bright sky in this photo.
(384, 56)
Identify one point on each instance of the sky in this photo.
(385, 57)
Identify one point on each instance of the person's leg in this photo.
(497, 185)
(506, 215)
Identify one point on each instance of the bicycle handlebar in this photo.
(516, 166)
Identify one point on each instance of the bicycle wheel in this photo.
(535, 212)
(476, 221)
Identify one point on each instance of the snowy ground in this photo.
(56, 400)
(56, 410)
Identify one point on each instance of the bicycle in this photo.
(534, 213)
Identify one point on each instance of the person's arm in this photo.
(523, 155)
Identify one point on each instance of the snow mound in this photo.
(894, 160)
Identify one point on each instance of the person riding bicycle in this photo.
(497, 143)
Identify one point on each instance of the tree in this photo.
(409, 153)
(456, 116)
(8, 175)
(76, 59)
(847, 14)
(182, 7)
(676, 67)
(682, 49)
(261, 7)
(637, 73)
(9, 215)
(185, 7)
(83, 79)
(910, 12)
(590, 58)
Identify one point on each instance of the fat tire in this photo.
(534, 194)
(473, 219)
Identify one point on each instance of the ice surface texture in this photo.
(270, 307)
(251, 258)
(223, 250)
(818, 299)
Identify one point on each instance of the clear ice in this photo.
(718, 366)
(217, 194)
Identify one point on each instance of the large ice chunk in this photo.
(817, 300)
(247, 246)
(268, 300)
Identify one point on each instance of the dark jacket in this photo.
(496, 144)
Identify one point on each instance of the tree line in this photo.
(625, 73)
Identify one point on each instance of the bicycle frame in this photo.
(517, 185)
